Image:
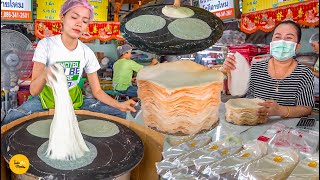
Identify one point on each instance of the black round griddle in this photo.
(162, 42)
(117, 155)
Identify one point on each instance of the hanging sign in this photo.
(306, 14)
(249, 6)
(16, 10)
(103, 31)
(224, 9)
(50, 9)
(100, 9)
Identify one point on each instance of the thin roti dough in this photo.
(190, 29)
(186, 73)
(83, 161)
(245, 103)
(180, 12)
(240, 77)
(98, 128)
(145, 24)
(40, 129)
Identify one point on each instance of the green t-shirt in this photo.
(47, 98)
(122, 73)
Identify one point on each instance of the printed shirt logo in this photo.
(71, 70)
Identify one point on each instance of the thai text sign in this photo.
(249, 6)
(224, 9)
(50, 9)
(16, 10)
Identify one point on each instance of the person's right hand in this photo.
(45, 73)
(154, 61)
(229, 63)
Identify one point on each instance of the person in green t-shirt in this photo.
(123, 70)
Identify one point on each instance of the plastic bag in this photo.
(277, 165)
(227, 168)
(225, 147)
(306, 169)
(305, 141)
(186, 147)
(183, 174)
(275, 128)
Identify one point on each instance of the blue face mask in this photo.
(282, 50)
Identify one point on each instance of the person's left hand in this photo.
(127, 105)
(270, 108)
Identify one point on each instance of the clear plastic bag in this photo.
(227, 168)
(225, 146)
(183, 174)
(305, 141)
(186, 147)
(307, 169)
(277, 165)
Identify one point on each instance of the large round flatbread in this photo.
(83, 161)
(180, 12)
(190, 29)
(179, 75)
(145, 24)
(98, 128)
(240, 77)
(40, 128)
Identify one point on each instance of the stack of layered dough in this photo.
(180, 97)
(243, 111)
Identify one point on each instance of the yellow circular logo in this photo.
(19, 164)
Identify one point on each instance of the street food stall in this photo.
(185, 126)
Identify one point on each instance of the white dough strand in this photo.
(65, 140)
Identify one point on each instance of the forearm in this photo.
(316, 74)
(105, 98)
(37, 85)
(294, 111)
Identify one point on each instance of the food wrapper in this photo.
(277, 165)
(304, 141)
(275, 128)
(227, 168)
(307, 169)
(176, 151)
(165, 167)
(227, 145)
(183, 174)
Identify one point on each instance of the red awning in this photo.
(103, 31)
(306, 14)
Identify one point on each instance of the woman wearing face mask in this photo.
(284, 83)
(67, 50)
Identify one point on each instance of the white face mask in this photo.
(282, 50)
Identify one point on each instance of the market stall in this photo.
(186, 126)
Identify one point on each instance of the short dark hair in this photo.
(295, 25)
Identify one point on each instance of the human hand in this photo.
(229, 63)
(127, 105)
(270, 108)
(154, 61)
